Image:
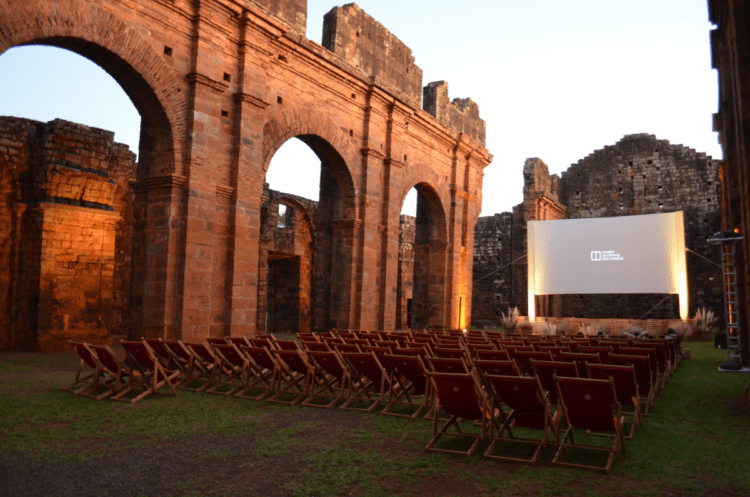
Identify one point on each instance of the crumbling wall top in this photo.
(461, 115)
(363, 42)
(291, 12)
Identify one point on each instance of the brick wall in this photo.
(66, 224)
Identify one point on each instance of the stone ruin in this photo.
(638, 175)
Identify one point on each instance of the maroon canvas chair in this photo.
(653, 358)
(152, 376)
(490, 355)
(370, 382)
(205, 361)
(329, 379)
(160, 350)
(285, 345)
(546, 372)
(323, 346)
(590, 405)
(498, 368)
(100, 377)
(410, 385)
(523, 358)
(216, 340)
(233, 370)
(512, 349)
(261, 371)
(643, 376)
(555, 350)
(412, 351)
(461, 396)
(112, 363)
(580, 360)
(529, 408)
(446, 365)
(662, 356)
(291, 378)
(449, 353)
(184, 360)
(358, 341)
(240, 341)
(346, 347)
(626, 388)
(603, 352)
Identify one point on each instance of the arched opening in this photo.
(306, 239)
(71, 225)
(422, 261)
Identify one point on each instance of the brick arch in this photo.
(122, 52)
(294, 204)
(431, 185)
(323, 136)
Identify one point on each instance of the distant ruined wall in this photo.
(638, 175)
(67, 225)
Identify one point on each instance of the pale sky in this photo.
(555, 79)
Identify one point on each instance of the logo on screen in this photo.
(596, 255)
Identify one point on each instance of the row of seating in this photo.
(408, 372)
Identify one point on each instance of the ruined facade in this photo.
(66, 218)
(220, 86)
(730, 44)
(638, 175)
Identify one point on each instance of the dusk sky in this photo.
(553, 79)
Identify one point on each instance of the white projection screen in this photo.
(628, 254)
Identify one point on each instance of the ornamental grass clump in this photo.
(510, 321)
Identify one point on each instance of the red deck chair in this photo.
(216, 340)
(317, 346)
(346, 347)
(370, 382)
(554, 350)
(449, 353)
(152, 375)
(643, 376)
(233, 371)
(546, 371)
(329, 378)
(523, 358)
(580, 360)
(498, 368)
(284, 345)
(291, 376)
(447, 365)
(603, 353)
(412, 351)
(99, 378)
(185, 362)
(590, 405)
(512, 349)
(205, 361)
(160, 350)
(662, 356)
(626, 388)
(530, 408)
(653, 358)
(461, 396)
(112, 363)
(409, 373)
(261, 371)
(490, 355)
(241, 341)
(358, 341)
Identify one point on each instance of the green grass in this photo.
(694, 441)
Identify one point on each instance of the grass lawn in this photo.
(694, 442)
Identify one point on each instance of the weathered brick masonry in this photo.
(220, 85)
(66, 223)
(637, 175)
